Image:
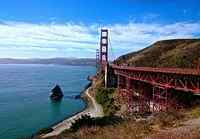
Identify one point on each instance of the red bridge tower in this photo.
(103, 49)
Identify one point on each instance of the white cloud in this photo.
(79, 40)
(134, 36)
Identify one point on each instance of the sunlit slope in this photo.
(180, 53)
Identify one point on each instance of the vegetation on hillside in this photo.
(87, 121)
(181, 53)
(194, 112)
(108, 127)
(105, 98)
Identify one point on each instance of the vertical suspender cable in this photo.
(111, 49)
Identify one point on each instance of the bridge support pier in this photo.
(144, 101)
(120, 82)
(160, 99)
(134, 94)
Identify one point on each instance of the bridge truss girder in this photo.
(160, 98)
(186, 83)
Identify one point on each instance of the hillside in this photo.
(168, 53)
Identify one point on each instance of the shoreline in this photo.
(67, 117)
(91, 108)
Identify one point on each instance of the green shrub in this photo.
(105, 98)
(89, 122)
(195, 112)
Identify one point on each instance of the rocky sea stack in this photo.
(57, 93)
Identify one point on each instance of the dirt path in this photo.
(188, 130)
(94, 110)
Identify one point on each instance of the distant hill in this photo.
(59, 61)
(167, 53)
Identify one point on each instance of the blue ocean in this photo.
(25, 106)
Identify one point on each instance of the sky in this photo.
(70, 28)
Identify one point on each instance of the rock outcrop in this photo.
(57, 93)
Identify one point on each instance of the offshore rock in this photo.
(77, 97)
(57, 93)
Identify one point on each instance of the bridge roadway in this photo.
(177, 78)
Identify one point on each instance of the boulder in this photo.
(57, 93)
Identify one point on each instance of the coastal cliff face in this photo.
(180, 53)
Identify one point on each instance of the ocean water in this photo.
(25, 106)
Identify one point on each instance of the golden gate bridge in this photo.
(147, 89)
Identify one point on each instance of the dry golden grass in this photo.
(128, 129)
(125, 130)
(147, 128)
(167, 119)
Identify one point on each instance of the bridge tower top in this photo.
(103, 48)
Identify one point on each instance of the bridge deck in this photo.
(180, 79)
(195, 72)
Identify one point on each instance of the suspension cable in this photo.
(111, 49)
